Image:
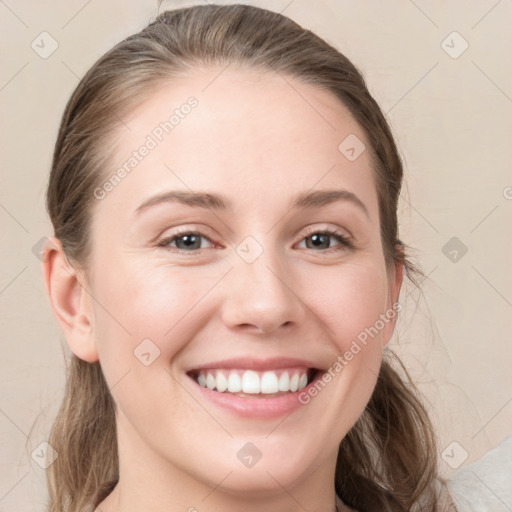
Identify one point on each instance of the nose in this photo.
(261, 297)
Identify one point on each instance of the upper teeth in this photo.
(253, 382)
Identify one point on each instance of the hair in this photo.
(388, 459)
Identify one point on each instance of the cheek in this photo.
(141, 311)
(350, 300)
(146, 318)
(352, 307)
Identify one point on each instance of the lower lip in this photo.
(264, 408)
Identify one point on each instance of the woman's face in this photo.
(241, 249)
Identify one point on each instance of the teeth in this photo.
(284, 382)
(222, 382)
(269, 383)
(294, 382)
(234, 382)
(252, 382)
(210, 381)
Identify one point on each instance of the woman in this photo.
(226, 269)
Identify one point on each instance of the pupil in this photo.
(320, 240)
(189, 240)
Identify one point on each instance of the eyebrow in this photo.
(326, 197)
(219, 202)
(198, 199)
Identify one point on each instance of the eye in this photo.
(186, 241)
(193, 241)
(322, 240)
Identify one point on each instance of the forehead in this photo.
(249, 133)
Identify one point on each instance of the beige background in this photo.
(452, 119)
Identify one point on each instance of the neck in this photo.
(121, 501)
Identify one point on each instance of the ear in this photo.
(69, 301)
(395, 278)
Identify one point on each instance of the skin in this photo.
(258, 140)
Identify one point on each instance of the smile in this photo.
(252, 383)
(252, 388)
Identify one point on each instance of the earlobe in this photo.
(69, 301)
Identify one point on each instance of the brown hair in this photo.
(387, 461)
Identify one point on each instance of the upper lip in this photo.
(246, 363)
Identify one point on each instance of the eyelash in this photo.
(344, 241)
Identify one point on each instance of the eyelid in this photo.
(310, 230)
(164, 241)
(345, 239)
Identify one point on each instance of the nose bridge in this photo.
(260, 292)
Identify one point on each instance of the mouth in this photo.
(252, 383)
(253, 388)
